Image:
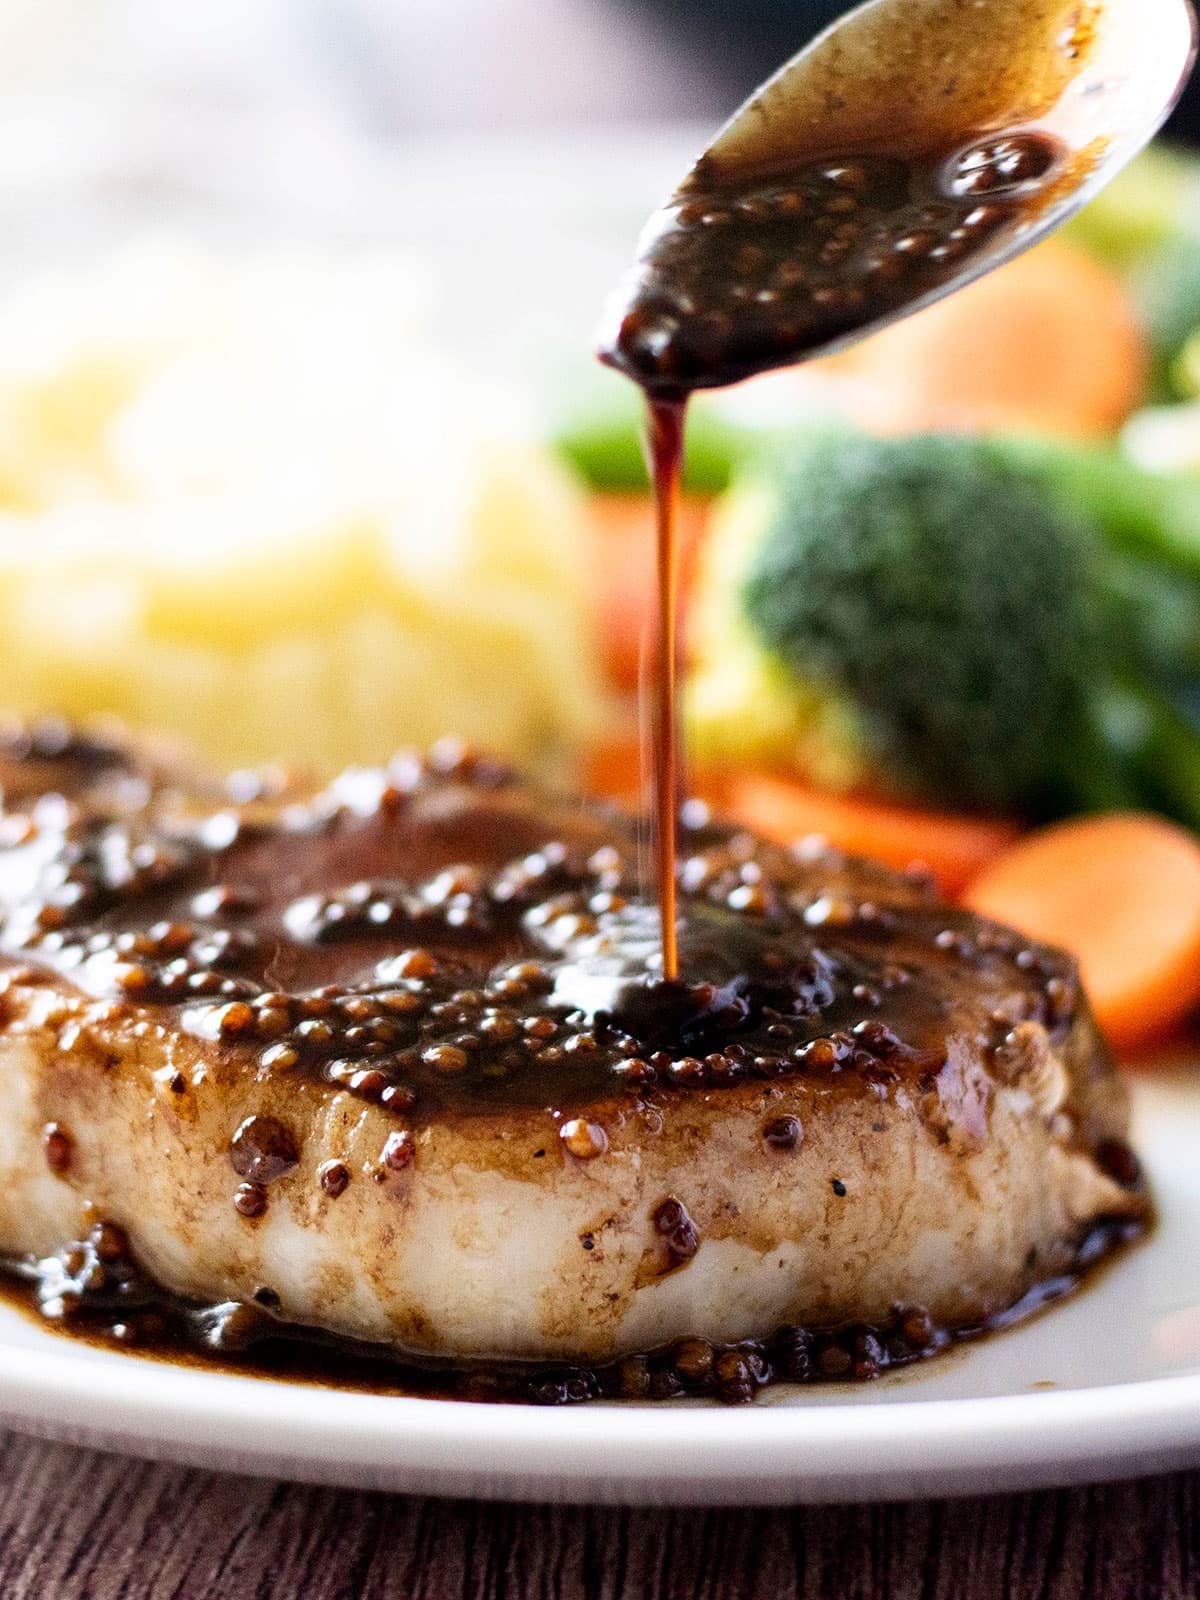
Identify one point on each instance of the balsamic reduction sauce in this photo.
(439, 940)
(738, 275)
(457, 979)
(664, 435)
(746, 271)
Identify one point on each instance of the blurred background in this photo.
(385, 68)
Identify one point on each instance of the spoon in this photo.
(910, 148)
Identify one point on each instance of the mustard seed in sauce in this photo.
(783, 1133)
(334, 1177)
(916, 1328)
(234, 1019)
(693, 1361)
(446, 1059)
(999, 166)
(280, 1058)
(671, 1219)
(262, 1150)
(111, 1243)
(58, 1148)
(398, 1151)
(413, 964)
(250, 1200)
(585, 1140)
(835, 1361)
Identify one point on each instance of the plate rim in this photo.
(677, 1453)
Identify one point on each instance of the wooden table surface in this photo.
(76, 1525)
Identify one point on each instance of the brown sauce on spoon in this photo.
(744, 272)
(741, 275)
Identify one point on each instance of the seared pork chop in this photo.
(393, 1059)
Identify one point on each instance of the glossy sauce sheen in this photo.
(664, 433)
(742, 273)
(737, 276)
(444, 943)
(438, 938)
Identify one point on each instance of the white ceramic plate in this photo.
(1105, 1385)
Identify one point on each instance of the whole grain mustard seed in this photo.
(250, 1200)
(58, 1148)
(262, 1150)
(334, 1178)
(585, 1140)
(398, 1151)
(447, 1059)
(783, 1133)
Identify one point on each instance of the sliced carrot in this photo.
(954, 848)
(613, 771)
(1122, 893)
(623, 557)
(619, 769)
(1050, 341)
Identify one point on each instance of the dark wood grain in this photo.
(75, 1525)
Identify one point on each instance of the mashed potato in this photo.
(244, 500)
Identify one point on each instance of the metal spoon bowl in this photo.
(899, 79)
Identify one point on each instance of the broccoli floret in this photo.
(596, 425)
(947, 625)
(1144, 535)
(940, 596)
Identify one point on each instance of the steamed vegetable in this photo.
(597, 428)
(1146, 225)
(1186, 367)
(964, 623)
(1143, 209)
(955, 848)
(1123, 893)
(1050, 341)
(1167, 290)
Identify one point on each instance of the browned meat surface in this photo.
(392, 1057)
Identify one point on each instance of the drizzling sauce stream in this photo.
(746, 271)
(664, 440)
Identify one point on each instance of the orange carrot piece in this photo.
(1122, 893)
(624, 566)
(954, 848)
(619, 769)
(1049, 342)
(613, 771)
